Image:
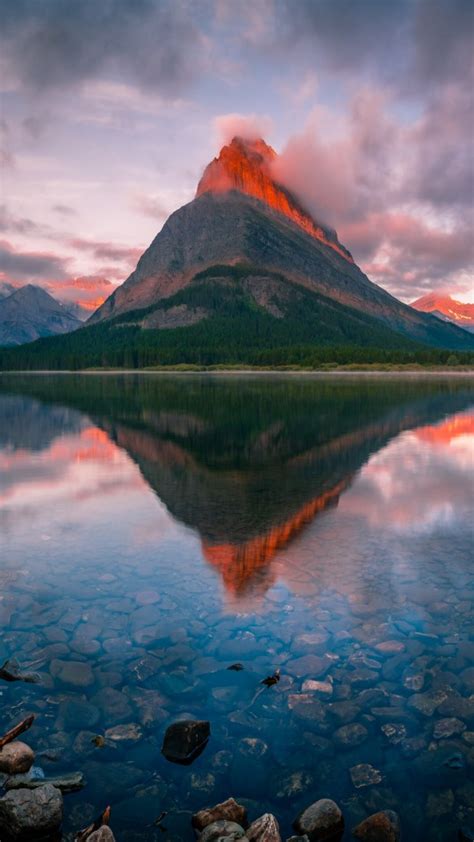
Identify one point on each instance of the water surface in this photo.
(157, 529)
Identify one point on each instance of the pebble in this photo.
(365, 775)
(349, 736)
(228, 810)
(76, 673)
(380, 827)
(264, 829)
(220, 830)
(320, 821)
(444, 728)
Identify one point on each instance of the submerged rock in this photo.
(322, 820)
(365, 775)
(264, 829)
(349, 736)
(185, 740)
(228, 810)
(222, 830)
(25, 813)
(16, 758)
(66, 783)
(446, 728)
(380, 827)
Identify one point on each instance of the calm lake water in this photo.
(157, 529)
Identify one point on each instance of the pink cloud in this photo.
(248, 126)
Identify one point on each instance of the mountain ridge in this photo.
(30, 313)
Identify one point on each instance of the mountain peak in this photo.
(447, 308)
(246, 166)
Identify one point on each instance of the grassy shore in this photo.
(324, 368)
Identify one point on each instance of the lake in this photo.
(157, 529)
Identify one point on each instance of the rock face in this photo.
(248, 166)
(243, 219)
(185, 740)
(322, 820)
(380, 827)
(29, 313)
(28, 813)
(227, 810)
(16, 758)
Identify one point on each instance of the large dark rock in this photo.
(380, 827)
(322, 820)
(185, 740)
(228, 810)
(26, 814)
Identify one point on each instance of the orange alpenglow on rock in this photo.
(245, 165)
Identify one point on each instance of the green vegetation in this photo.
(315, 331)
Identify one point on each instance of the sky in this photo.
(111, 110)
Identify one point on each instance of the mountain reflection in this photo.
(246, 462)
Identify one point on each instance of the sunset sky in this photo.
(111, 110)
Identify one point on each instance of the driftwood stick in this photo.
(15, 732)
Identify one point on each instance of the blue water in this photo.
(157, 529)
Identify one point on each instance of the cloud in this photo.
(64, 210)
(7, 158)
(102, 250)
(248, 126)
(151, 206)
(88, 291)
(30, 265)
(400, 195)
(409, 45)
(54, 44)
(339, 168)
(18, 225)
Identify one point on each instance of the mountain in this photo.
(245, 238)
(30, 313)
(244, 274)
(447, 309)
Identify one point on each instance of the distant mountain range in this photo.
(447, 309)
(243, 272)
(29, 312)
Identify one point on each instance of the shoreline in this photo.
(340, 371)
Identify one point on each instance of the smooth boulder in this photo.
(185, 740)
(26, 813)
(322, 820)
(16, 758)
(227, 810)
(380, 827)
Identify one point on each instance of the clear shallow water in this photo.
(155, 530)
